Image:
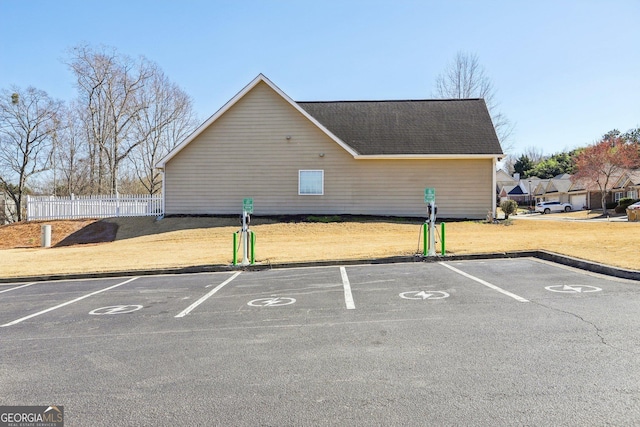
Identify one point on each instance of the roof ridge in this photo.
(388, 100)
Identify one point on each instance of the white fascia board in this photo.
(572, 191)
(427, 156)
(233, 101)
(494, 196)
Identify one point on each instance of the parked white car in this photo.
(548, 207)
(634, 206)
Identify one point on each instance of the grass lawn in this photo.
(144, 243)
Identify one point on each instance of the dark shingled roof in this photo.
(516, 190)
(414, 127)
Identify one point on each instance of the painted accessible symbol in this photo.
(271, 302)
(423, 295)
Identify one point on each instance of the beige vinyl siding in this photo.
(396, 187)
(246, 153)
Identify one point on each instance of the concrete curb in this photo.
(543, 255)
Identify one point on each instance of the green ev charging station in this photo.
(429, 227)
(248, 237)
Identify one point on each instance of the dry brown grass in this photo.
(143, 243)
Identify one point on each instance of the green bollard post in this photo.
(235, 248)
(442, 250)
(424, 239)
(253, 248)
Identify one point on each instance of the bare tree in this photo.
(534, 154)
(466, 78)
(71, 156)
(28, 122)
(166, 119)
(108, 85)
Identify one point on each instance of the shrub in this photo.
(623, 203)
(611, 205)
(508, 207)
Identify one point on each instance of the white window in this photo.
(632, 194)
(617, 197)
(311, 183)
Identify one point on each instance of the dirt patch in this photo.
(28, 234)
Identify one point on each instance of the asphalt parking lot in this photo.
(499, 342)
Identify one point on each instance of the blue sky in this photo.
(565, 72)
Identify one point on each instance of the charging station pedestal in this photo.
(430, 223)
(245, 237)
(247, 209)
(432, 210)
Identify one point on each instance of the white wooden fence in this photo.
(50, 207)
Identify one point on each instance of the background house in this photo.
(561, 189)
(514, 192)
(628, 185)
(503, 178)
(349, 157)
(581, 196)
(555, 189)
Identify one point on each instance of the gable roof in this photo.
(541, 187)
(629, 178)
(504, 178)
(561, 185)
(577, 187)
(412, 127)
(562, 176)
(259, 79)
(517, 190)
(387, 129)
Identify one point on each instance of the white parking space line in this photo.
(348, 296)
(204, 298)
(487, 284)
(18, 287)
(15, 322)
